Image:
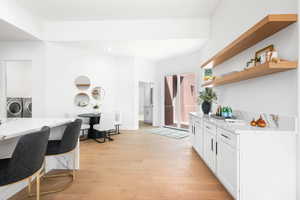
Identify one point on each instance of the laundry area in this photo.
(18, 89)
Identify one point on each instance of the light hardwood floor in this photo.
(138, 166)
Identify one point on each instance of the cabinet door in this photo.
(209, 150)
(227, 166)
(192, 131)
(199, 139)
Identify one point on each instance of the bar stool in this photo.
(66, 145)
(27, 160)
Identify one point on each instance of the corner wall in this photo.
(34, 52)
(275, 93)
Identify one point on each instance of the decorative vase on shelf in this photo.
(206, 107)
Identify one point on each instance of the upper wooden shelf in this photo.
(253, 72)
(263, 29)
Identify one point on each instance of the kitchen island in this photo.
(252, 163)
(10, 132)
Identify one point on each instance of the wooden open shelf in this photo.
(253, 72)
(263, 29)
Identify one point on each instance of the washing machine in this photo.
(14, 107)
(27, 107)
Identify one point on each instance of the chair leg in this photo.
(38, 187)
(29, 186)
(42, 175)
(74, 165)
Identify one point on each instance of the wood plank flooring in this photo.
(138, 166)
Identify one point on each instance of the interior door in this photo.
(170, 100)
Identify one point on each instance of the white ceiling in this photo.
(11, 33)
(154, 50)
(118, 9)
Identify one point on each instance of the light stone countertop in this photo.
(17, 127)
(286, 125)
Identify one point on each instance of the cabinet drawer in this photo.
(209, 128)
(227, 137)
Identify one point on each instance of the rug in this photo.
(169, 132)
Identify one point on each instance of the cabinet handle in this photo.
(212, 144)
(225, 136)
(216, 148)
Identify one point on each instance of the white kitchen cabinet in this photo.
(198, 144)
(245, 159)
(227, 160)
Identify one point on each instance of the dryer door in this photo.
(15, 108)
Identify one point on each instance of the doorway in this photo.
(146, 103)
(180, 99)
(16, 89)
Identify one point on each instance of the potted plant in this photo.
(206, 97)
(96, 108)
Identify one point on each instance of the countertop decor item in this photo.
(253, 122)
(261, 123)
(96, 108)
(264, 55)
(206, 97)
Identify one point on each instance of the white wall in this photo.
(56, 65)
(34, 52)
(141, 99)
(298, 97)
(12, 13)
(271, 94)
(19, 79)
(127, 29)
(2, 90)
(119, 77)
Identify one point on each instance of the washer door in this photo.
(29, 107)
(14, 108)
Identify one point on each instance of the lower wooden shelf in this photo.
(253, 72)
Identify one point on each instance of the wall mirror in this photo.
(82, 82)
(98, 93)
(82, 100)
